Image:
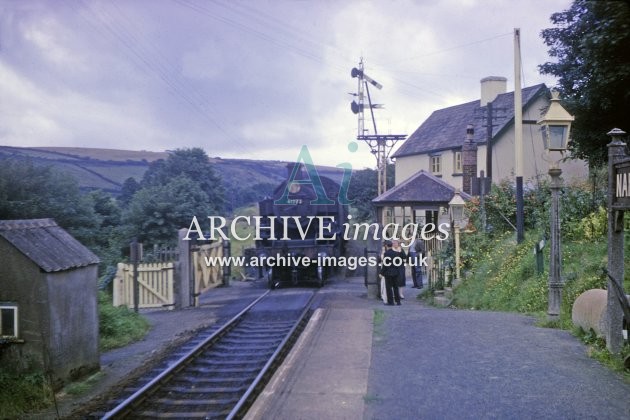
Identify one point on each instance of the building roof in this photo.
(446, 128)
(421, 190)
(46, 244)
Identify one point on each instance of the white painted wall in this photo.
(535, 159)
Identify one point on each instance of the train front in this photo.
(301, 234)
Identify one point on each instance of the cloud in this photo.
(248, 79)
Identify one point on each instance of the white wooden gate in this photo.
(155, 282)
(207, 276)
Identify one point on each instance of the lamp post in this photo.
(456, 206)
(555, 127)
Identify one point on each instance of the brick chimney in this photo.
(491, 87)
(469, 160)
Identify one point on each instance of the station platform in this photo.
(359, 359)
(325, 376)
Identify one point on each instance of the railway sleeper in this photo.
(259, 334)
(266, 328)
(209, 363)
(212, 389)
(239, 350)
(204, 403)
(182, 415)
(221, 384)
(254, 341)
(218, 370)
(229, 356)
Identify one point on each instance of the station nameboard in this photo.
(621, 197)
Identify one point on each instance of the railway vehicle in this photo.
(300, 239)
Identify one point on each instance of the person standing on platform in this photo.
(390, 269)
(416, 252)
(401, 281)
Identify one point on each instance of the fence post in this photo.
(227, 270)
(136, 256)
(183, 272)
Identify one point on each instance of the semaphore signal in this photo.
(380, 145)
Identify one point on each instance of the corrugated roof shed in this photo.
(422, 189)
(446, 128)
(46, 244)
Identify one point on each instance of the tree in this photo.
(195, 165)
(156, 213)
(28, 191)
(591, 45)
(361, 192)
(129, 188)
(363, 189)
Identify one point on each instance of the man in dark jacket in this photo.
(390, 270)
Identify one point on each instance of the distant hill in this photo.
(107, 169)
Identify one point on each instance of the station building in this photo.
(48, 300)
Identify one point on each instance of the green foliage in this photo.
(590, 43)
(362, 190)
(503, 274)
(241, 195)
(156, 213)
(577, 202)
(78, 388)
(194, 165)
(23, 392)
(118, 326)
(28, 191)
(129, 188)
(598, 351)
(592, 227)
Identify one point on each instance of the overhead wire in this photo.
(156, 63)
(151, 62)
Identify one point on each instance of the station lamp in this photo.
(556, 125)
(456, 205)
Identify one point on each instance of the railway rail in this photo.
(221, 375)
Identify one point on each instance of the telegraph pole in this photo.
(518, 137)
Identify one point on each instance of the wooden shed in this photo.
(48, 300)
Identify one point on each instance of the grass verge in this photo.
(118, 326)
(23, 392)
(504, 278)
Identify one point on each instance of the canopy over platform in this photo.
(421, 191)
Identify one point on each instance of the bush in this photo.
(577, 202)
(118, 326)
(24, 392)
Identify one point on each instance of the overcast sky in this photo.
(251, 79)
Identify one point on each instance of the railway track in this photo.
(221, 375)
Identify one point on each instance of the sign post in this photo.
(618, 202)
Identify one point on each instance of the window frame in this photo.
(16, 328)
(458, 167)
(435, 161)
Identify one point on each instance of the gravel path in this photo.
(440, 363)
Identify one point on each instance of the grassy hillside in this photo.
(107, 169)
(245, 181)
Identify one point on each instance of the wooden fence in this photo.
(156, 279)
(155, 282)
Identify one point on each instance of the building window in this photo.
(436, 165)
(457, 164)
(8, 321)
